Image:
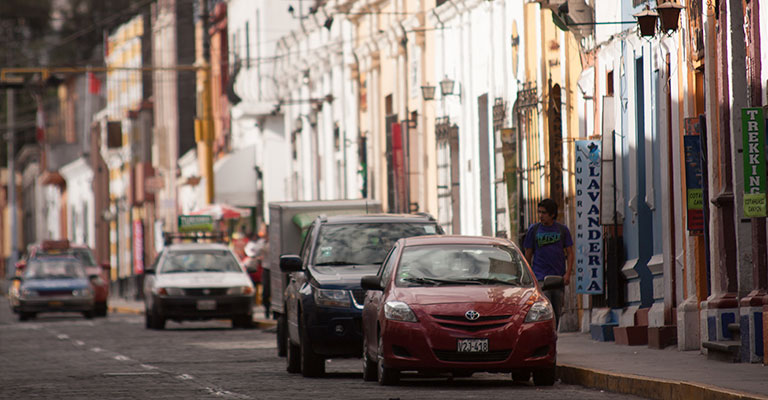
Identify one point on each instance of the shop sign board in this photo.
(694, 191)
(753, 137)
(589, 233)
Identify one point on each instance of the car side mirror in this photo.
(290, 263)
(553, 282)
(371, 282)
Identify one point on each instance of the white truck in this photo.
(288, 222)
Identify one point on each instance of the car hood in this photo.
(55, 284)
(203, 279)
(342, 276)
(432, 295)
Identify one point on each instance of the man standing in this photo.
(548, 246)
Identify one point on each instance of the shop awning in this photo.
(235, 178)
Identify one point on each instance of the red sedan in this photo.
(458, 305)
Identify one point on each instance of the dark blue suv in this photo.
(323, 299)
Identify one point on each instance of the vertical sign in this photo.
(138, 247)
(589, 232)
(398, 161)
(694, 192)
(753, 136)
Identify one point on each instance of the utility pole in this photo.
(204, 120)
(11, 141)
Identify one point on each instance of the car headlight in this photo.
(399, 311)
(240, 291)
(81, 292)
(540, 311)
(28, 293)
(169, 291)
(331, 298)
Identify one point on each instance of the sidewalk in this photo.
(636, 370)
(656, 374)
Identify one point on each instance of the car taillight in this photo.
(162, 291)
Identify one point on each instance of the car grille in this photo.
(51, 293)
(471, 328)
(205, 292)
(460, 322)
(454, 356)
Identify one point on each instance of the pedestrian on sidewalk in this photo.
(549, 250)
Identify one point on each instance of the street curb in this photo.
(652, 388)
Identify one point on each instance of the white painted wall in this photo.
(80, 202)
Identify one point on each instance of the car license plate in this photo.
(206, 304)
(472, 346)
(56, 304)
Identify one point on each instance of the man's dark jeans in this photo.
(555, 297)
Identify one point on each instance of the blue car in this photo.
(53, 284)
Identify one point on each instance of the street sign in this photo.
(195, 223)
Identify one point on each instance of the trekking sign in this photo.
(753, 136)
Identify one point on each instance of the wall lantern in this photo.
(312, 118)
(428, 92)
(299, 124)
(647, 22)
(446, 87)
(669, 14)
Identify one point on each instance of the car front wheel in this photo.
(312, 365)
(156, 321)
(387, 376)
(282, 337)
(101, 309)
(544, 377)
(370, 369)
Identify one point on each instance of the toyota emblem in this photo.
(472, 315)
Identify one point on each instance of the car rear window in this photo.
(462, 264)
(363, 243)
(200, 261)
(82, 254)
(64, 269)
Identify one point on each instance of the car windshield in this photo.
(200, 261)
(54, 269)
(82, 254)
(363, 243)
(435, 265)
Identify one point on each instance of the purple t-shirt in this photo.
(549, 248)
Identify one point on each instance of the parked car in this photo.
(53, 284)
(197, 281)
(82, 252)
(289, 222)
(459, 305)
(324, 300)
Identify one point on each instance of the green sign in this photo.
(753, 136)
(195, 223)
